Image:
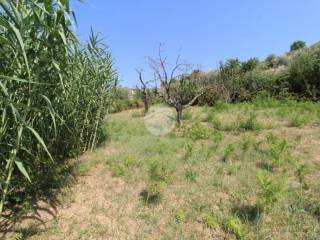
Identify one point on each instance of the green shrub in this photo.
(217, 124)
(297, 45)
(279, 150)
(136, 114)
(220, 106)
(301, 173)
(153, 193)
(187, 115)
(229, 150)
(249, 124)
(191, 175)
(118, 170)
(298, 120)
(158, 171)
(210, 221)
(188, 151)
(270, 191)
(217, 139)
(158, 177)
(197, 132)
(234, 226)
(304, 74)
(82, 169)
(180, 216)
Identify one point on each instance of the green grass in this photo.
(203, 182)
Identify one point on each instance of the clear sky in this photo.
(203, 31)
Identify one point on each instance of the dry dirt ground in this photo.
(96, 207)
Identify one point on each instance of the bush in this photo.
(197, 132)
(158, 177)
(304, 74)
(234, 226)
(279, 150)
(180, 216)
(249, 124)
(210, 221)
(297, 45)
(271, 61)
(270, 192)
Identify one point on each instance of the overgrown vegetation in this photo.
(293, 75)
(54, 95)
(245, 166)
(239, 184)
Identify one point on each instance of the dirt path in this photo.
(98, 206)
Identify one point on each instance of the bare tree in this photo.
(144, 91)
(171, 79)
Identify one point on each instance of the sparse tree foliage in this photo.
(144, 91)
(173, 81)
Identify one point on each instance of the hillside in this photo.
(242, 171)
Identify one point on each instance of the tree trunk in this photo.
(179, 115)
(146, 104)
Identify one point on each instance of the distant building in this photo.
(131, 92)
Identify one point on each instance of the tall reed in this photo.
(54, 92)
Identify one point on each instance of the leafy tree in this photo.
(297, 45)
(271, 61)
(249, 65)
(304, 75)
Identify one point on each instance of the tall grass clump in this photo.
(54, 95)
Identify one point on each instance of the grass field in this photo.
(242, 171)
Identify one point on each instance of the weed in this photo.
(220, 106)
(313, 207)
(217, 124)
(247, 213)
(216, 138)
(245, 144)
(180, 216)
(136, 114)
(234, 226)
(158, 172)
(279, 150)
(191, 175)
(158, 176)
(301, 173)
(270, 191)
(188, 151)
(210, 220)
(197, 132)
(228, 152)
(249, 124)
(118, 170)
(298, 120)
(82, 169)
(187, 115)
(153, 193)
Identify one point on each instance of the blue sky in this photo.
(203, 31)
